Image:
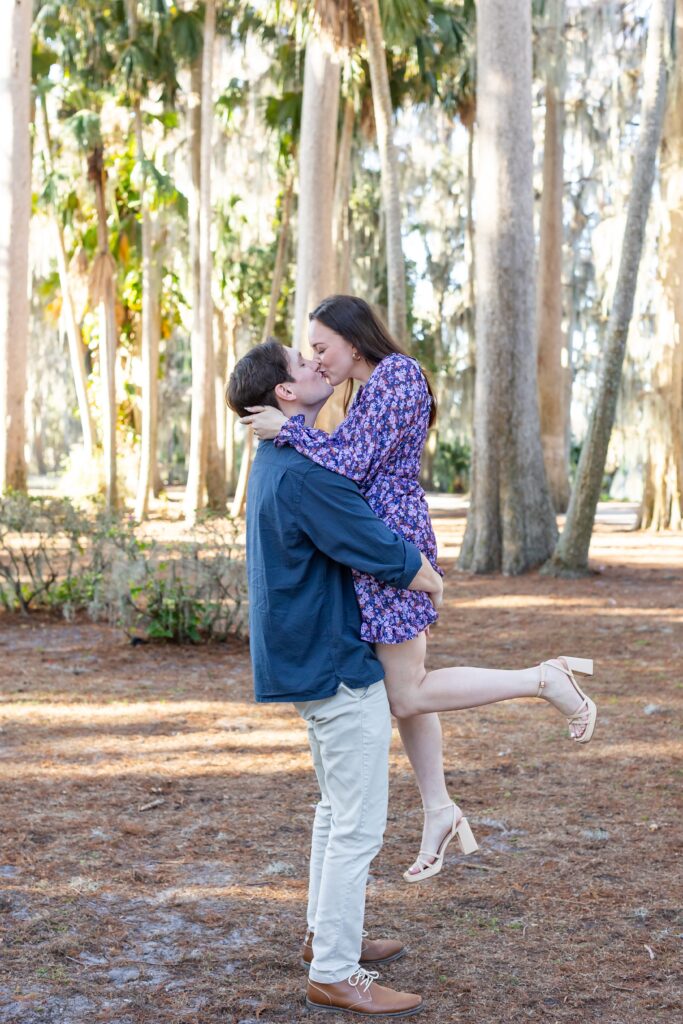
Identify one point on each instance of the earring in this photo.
(356, 356)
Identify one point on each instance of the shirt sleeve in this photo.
(392, 399)
(341, 524)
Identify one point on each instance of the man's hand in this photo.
(266, 421)
(436, 596)
(429, 581)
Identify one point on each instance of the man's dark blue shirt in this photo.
(306, 529)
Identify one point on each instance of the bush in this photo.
(452, 466)
(55, 555)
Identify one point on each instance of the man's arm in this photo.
(338, 520)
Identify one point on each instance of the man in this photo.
(306, 529)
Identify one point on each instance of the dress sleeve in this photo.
(340, 523)
(392, 401)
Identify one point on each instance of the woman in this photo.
(379, 445)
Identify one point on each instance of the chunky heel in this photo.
(586, 713)
(583, 665)
(468, 844)
(431, 863)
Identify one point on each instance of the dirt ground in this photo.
(155, 821)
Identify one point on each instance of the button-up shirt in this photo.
(306, 529)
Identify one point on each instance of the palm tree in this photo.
(511, 522)
(15, 209)
(203, 402)
(315, 262)
(151, 288)
(390, 179)
(71, 323)
(571, 554)
(662, 504)
(554, 374)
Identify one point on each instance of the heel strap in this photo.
(542, 680)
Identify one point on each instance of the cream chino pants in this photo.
(349, 735)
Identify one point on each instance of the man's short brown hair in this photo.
(256, 375)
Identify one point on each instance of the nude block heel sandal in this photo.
(431, 863)
(587, 706)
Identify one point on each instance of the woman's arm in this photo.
(429, 581)
(373, 429)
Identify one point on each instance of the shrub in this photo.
(58, 556)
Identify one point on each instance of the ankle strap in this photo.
(429, 810)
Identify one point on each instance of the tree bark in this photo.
(390, 178)
(468, 117)
(15, 212)
(102, 287)
(151, 289)
(70, 320)
(315, 270)
(553, 366)
(571, 554)
(226, 330)
(151, 314)
(238, 502)
(511, 522)
(280, 256)
(342, 196)
(203, 417)
(662, 503)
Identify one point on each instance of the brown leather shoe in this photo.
(361, 994)
(373, 952)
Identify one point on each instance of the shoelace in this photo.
(363, 977)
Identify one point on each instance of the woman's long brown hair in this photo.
(359, 325)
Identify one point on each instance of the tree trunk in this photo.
(240, 498)
(315, 277)
(468, 117)
(70, 320)
(390, 179)
(220, 378)
(662, 504)
(571, 554)
(553, 365)
(15, 212)
(332, 413)
(280, 256)
(511, 523)
(342, 196)
(151, 288)
(226, 330)
(102, 287)
(203, 406)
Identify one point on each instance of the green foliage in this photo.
(186, 33)
(86, 129)
(452, 466)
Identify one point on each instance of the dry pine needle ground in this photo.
(155, 822)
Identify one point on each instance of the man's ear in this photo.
(284, 393)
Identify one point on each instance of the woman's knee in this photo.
(403, 699)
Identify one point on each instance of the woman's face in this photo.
(334, 354)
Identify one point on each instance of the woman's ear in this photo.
(284, 393)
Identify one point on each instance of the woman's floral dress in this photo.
(379, 445)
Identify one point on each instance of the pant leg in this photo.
(353, 734)
(321, 831)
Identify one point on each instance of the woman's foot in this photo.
(441, 824)
(558, 686)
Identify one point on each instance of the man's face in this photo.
(309, 385)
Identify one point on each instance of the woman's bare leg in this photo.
(422, 741)
(415, 693)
